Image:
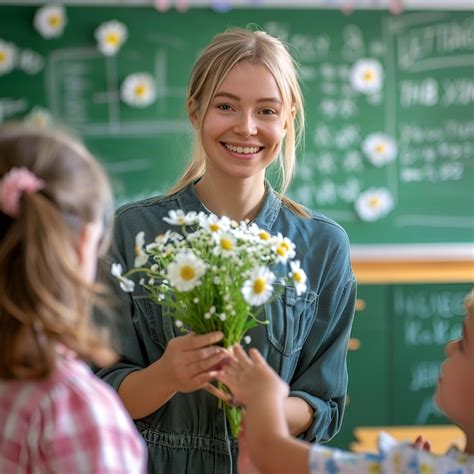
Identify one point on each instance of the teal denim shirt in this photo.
(305, 342)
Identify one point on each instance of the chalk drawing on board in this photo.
(74, 93)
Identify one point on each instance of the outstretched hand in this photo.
(249, 377)
(422, 444)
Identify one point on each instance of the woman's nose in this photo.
(246, 125)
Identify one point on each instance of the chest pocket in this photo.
(154, 320)
(291, 318)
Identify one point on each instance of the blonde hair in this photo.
(210, 70)
(44, 299)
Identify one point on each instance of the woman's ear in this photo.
(193, 113)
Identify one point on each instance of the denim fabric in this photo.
(305, 342)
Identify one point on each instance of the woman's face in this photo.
(243, 129)
(455, 391)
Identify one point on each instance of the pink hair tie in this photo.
(12, 186)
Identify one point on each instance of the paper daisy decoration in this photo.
(138, 90)
(38, 118)
(50, 21)
(373, 204)
(7, 57)
(110, 36)
(367, 76)
(379, 148)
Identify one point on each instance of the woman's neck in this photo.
(236, 199)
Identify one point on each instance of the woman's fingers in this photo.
(198, 341)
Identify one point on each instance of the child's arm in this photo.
(258, 387)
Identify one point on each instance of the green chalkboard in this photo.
(397, 347)
(425, 105)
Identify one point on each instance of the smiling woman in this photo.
(245, 103)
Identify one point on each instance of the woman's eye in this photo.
(224, 107)
(268, 112)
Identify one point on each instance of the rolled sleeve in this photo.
(321, 377)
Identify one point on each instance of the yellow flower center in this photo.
(214, 227)
(369, 76)
(259, 285)
(380, 148)
(297, 277)
(187, 272)
(281, 251)
(3, 56)
(285, 245)
(374, 202)
(54, 21)
(112, 38)
(227, 244)
(264, 235)
(141, 90)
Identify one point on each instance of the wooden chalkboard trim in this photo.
(409, 271)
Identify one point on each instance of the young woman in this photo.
(56, 416)
(245, 104)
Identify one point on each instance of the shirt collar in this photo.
(188, 201)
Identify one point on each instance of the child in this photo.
(56, 416)
(273, 450)
(245, 104)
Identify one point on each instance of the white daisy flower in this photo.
(138, 90)
(180, 218)
(8, 56)
(38, 118)
(379, 148)
(247, 339)
(50, 21)
(110, 36)
(261, 234)
(225, 244)
(284, 248)
(140, 256)
(178, 323)
(185, 271)
(367, 76)
(373, 204)
(258, 289)
(298, 276)
(214, 224)
(126, 284)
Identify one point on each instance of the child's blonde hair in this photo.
(44, 299)
(210, 70)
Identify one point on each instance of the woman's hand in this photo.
(190, 361)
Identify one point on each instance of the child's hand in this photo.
(251, 377)
(422, 443)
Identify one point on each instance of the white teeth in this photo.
(246, 150)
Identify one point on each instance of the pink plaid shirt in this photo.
(70, 423)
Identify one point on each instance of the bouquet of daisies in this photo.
(214, 275)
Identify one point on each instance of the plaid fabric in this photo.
(70, 423)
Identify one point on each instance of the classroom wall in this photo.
(413, 263)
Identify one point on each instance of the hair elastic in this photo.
(12, 186)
